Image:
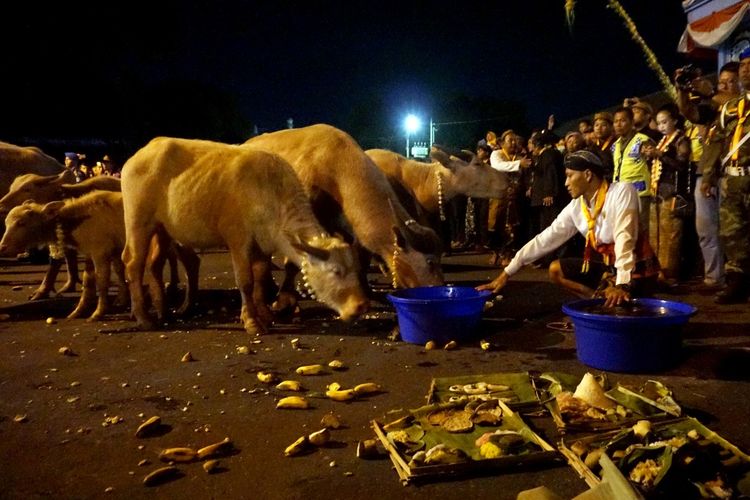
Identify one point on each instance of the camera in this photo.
(686, 75)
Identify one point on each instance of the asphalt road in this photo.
(80, 411)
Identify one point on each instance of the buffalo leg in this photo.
(102, 274)
(134, 258)
(157, 257)
(48, 283)
(71, 259)
(261, 271)
(123, 296)
(245, 280)
(192, 263)
(286, 302)
(88, 293)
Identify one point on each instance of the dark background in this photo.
(115, 75)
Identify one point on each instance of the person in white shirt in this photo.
(607, 216)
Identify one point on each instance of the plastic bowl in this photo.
(643, 343)
(439, 313)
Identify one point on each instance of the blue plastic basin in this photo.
(635, 344)
(439, 313)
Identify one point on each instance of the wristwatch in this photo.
(625, 287)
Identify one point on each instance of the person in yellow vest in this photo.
(617, 259)
(629, 165)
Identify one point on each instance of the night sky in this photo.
(216, 69)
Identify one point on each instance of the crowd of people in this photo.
(75, 162)
(670, 159)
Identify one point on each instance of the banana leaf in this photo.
(639, 407)
(521, 393)
(726, 461)
(656, 396)
(533, 450)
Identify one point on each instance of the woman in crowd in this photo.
(669, 160)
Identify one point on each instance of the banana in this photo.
(220, 448)
(320, 437)
(289, 385)
(147, 427)
(451, 345)
(367, 388)
(160, 475)
(177, 455)
(310, 370)
(210, 466)
(333, 386)
(337, 364)
(266, 377)
(293, 402)
(341, 395)
(296, 447)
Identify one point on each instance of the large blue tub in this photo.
(644, 343)
(439, 313)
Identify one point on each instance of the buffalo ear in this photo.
(52, 209)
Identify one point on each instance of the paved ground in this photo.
(67, 449)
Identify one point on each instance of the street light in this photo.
(412, 123)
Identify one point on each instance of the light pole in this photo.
(412, 123)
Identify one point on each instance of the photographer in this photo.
(726, 159)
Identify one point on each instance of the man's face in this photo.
(508, 143)
(602, 129)
(745, 73)
(70, 162)
(729, 83)
(584, 127)
(641, 117)
(482, 154)
(577, 182)
(623, 124)
(574, 142)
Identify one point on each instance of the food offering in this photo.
(589, 405)
(680, 458)
(513, 389)
(460, 437)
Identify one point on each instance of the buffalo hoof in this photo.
(255, 327)
(75, 314)
(39, 294)
(145, 324)
(285, 303)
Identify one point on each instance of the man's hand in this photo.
(547, 201)
(615, 296)
(708, 190)
(496, 285)
(525, 162)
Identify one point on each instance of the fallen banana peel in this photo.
(266, 377)
(293, 402)
(367, 388)
(310, 370)
(296, 447)
(289, 385)
(177, 455)
(337, 364)
(160, 475)
(220, 448)
(320, 437)
(341, 395)
(210, 466)
(331, 421)
(148, 427)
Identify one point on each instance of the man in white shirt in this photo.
(607, 216)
